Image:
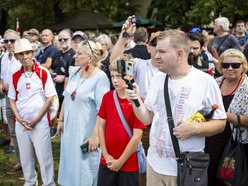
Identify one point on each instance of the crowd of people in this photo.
(84, 72)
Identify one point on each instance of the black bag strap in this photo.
(170, 118)
(222, 42)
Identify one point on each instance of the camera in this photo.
(125, 68)
(136, 20)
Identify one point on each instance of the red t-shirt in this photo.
(116, 137)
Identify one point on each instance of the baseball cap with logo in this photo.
(22, 45)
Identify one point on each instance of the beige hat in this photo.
(22, 45)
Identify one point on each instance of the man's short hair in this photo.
(196, 37)
(11, 31)
(239, 21)
(178, 39)
(140, 35)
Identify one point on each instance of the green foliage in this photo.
(40, 14)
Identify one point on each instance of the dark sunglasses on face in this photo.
(63, 39)
(6, 41)
(233, 65)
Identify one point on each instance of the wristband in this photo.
(125, 34)
(238, 120)
(60, 120)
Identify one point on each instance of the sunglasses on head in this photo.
(6, 41)
(86, 42)
(233, 65)
(63, 39)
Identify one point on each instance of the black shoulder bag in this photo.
(192, 167)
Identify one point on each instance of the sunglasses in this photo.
(63, 39)
(233, 65)
(6, 41)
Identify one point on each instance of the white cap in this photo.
(22, 45)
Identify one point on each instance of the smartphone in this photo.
(125, 68)
(85, 148)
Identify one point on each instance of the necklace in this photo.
(234, 88)
(28, 75)
(79, 83)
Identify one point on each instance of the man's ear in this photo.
(180, 53)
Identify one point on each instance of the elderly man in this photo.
(9, 65)
(189, 91)
(31, 94)
(60, 65)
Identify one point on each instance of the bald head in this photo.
(47, 37)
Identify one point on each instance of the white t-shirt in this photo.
(144, 71)
(31, 96)
(189, 94)
(8, 67)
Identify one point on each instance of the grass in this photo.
(7, 162)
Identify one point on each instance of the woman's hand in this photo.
(93, 143)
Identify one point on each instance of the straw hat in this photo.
(22, 45)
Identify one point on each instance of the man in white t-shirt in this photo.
(189, 90)
(31, 95)
(9, 65)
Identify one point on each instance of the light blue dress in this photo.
(76, 168)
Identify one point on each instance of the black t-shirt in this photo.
(139, 51)
(60, 65)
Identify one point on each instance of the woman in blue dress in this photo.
(77, 121)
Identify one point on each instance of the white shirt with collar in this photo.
(8, 67)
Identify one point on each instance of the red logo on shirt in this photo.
(28, 86)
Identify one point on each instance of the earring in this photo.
(86, 68)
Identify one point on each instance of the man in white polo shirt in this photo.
(31, 94)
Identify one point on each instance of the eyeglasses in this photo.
(233, 65)
(63, 39)
(6, 41)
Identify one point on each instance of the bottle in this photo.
(203, 114)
